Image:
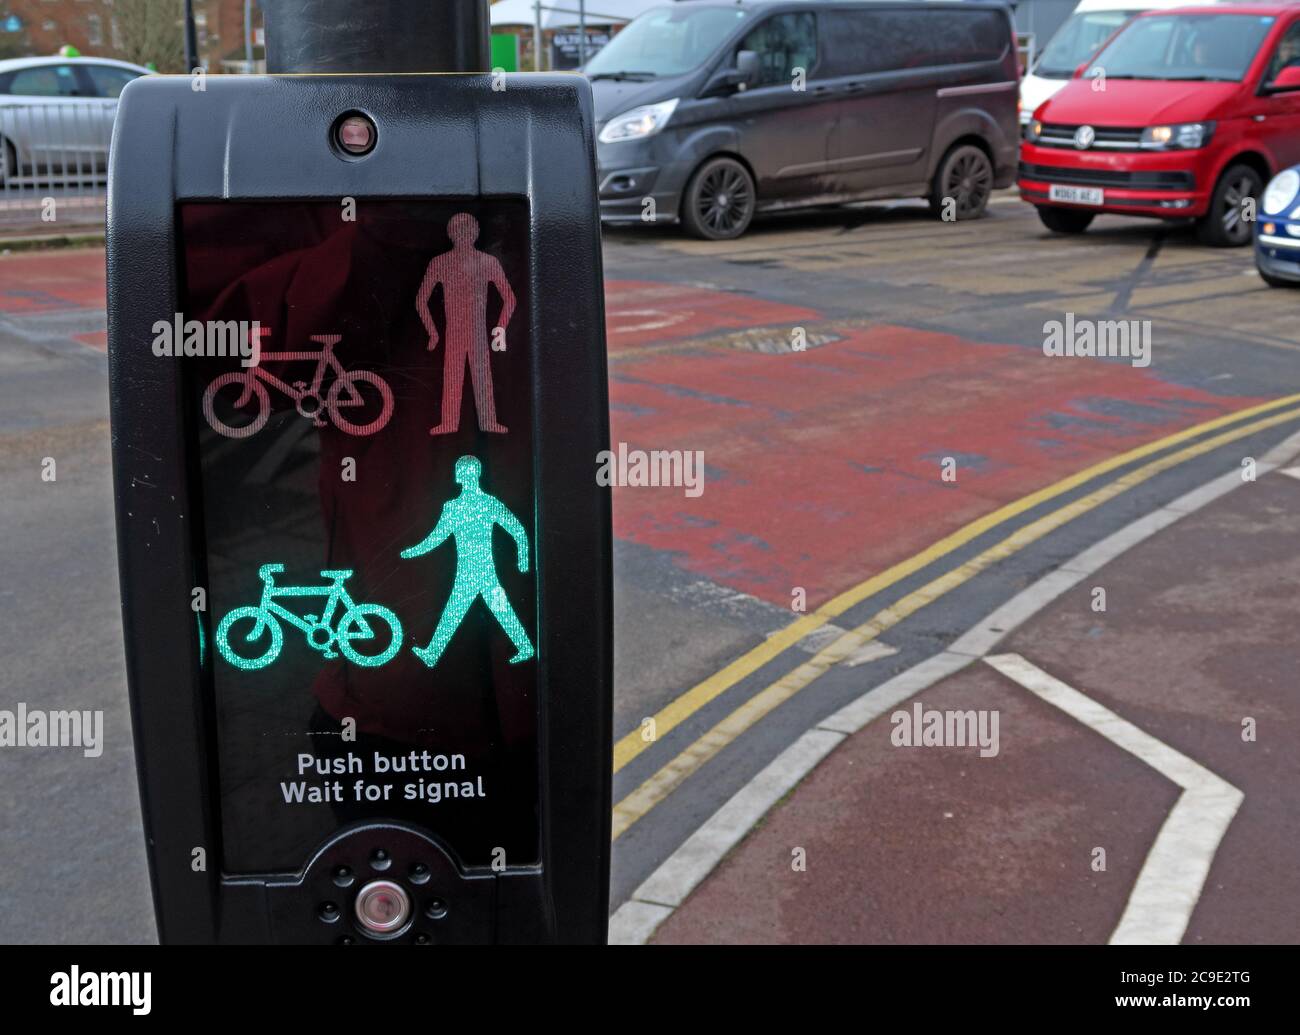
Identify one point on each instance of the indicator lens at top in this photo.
(356, 134)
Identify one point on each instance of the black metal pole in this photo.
(377, 36)
(191, 38)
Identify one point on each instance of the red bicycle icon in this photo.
(345, 393)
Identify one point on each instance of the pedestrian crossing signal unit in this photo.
(373, 448)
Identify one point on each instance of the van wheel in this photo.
(719, 201)
(966, 176)
(1223, 226)
(1065, 220)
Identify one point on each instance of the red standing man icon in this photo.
(465, 273)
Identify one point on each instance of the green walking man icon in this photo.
(470, 519)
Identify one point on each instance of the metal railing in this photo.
(54, 162)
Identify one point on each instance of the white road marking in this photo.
(889, 695)
(704, 595)
(873, 651)
(631, 922)
(744, 608)
(1291, 472)
(817, 640)
(1169, 886)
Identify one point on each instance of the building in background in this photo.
(135, 30)
(556, 26)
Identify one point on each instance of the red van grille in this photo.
(1108, 138)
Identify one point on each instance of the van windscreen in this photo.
(665, 42)
(1185, 47)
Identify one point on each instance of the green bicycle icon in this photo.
(354, 631)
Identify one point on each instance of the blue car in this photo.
(1277, 241)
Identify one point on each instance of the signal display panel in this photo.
(357, 377)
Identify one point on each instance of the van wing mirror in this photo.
(730, 80)
(1287, 79)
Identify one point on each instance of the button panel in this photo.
(384, 884)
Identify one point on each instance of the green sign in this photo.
(505, 51)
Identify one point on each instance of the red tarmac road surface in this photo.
(34, 283)
(48, 281)
(802, 449)
(936, 844)
(651, 312)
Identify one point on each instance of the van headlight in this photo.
(1282, 190)
(644, 121)
(1034, 131)
(1185, 136)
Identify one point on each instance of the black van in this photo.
(708, 112)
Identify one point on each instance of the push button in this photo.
(383, 907)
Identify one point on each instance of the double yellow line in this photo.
(669, 777)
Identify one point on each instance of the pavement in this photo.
(1066, 827)
(827, 558)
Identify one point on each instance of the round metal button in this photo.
(383, 907)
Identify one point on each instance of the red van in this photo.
(1183, 114)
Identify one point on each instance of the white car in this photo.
(56, 116)
(1076, 41)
